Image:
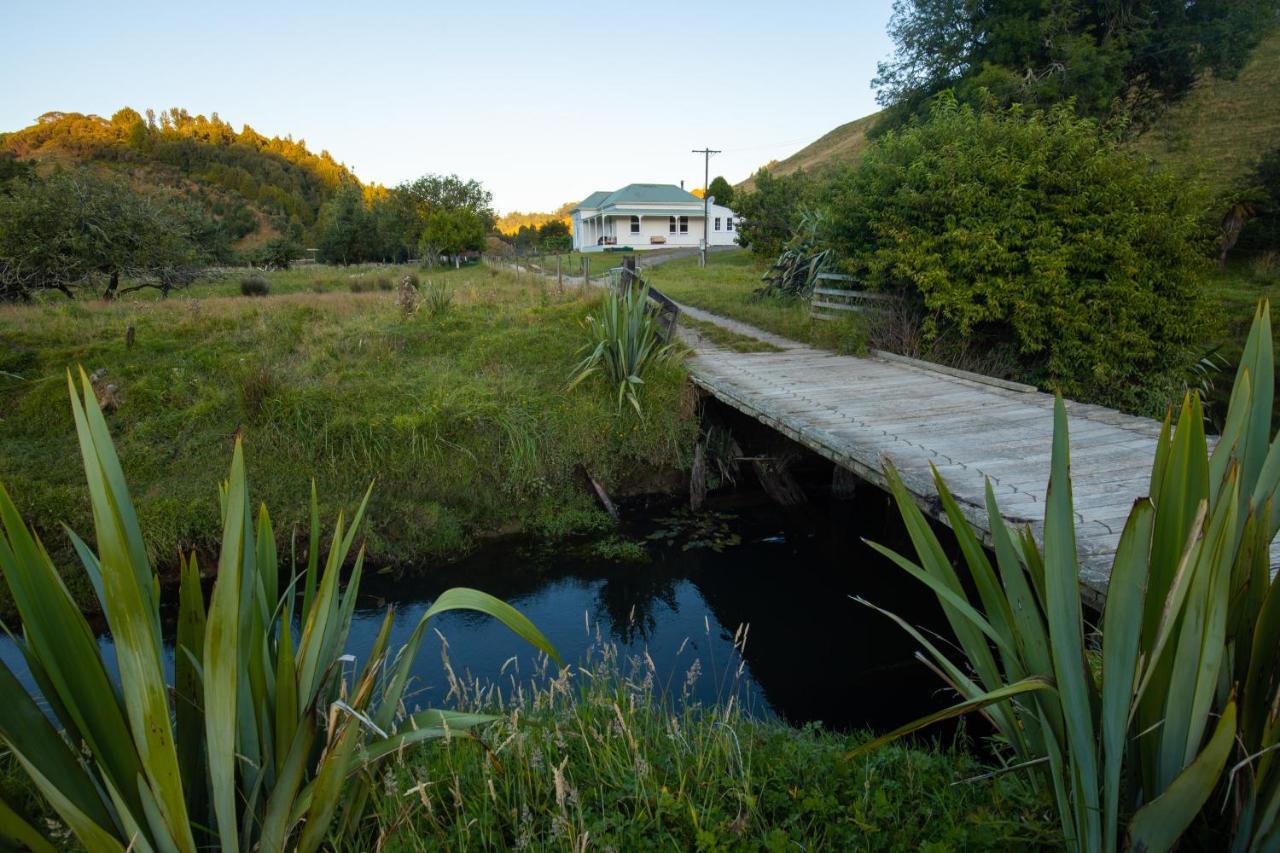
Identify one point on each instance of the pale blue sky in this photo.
(542, 102)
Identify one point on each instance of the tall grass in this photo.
(327, 386)
(610, 755)
(1187, 678)
(267, 739)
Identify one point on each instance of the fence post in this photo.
(559, 277)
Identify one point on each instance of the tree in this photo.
(554, 236)
(453, 232)
(77, 229)
(344, 232)
(721, 190)
(279, 252)
(1032, 232)
(449, 192)
(1043, 51)
(767, 214)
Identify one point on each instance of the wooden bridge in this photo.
(857, 412)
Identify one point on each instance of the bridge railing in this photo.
(667, 311)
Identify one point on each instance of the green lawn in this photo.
(461, 418)
(727, 286)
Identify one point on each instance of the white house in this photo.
(649, 216)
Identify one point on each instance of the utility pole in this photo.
(706, 185)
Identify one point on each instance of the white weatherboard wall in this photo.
(728, 231)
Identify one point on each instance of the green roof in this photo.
(651, 211)
(593, 201)
(649, 194)
(638, 194)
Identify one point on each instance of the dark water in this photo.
(810, 654)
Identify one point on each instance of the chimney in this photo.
(681, 184)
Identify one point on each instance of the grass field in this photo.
(460, 416)
(726, 287)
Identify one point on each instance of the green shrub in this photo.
(625, 341)
(357, 286)
(768, 214)
(1032, 229)
(437, 299)
(382, 282)
(254, 285)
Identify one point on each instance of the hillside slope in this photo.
(1222, 127)
(1218, 131)
(842, 145)
(255, 185)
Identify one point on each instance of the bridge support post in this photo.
(844, 483)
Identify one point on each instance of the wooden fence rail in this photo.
(667, 310)
(836, 295)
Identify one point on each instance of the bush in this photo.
(357, 286)
(437, 299)
(254, 285)
(382, 282)
(768, 214)
(1031, 229)
(624, 342)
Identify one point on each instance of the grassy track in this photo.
(461, 418)
(726, 287)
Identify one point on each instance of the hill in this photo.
(255, 186)
(842, 145)
(511, 223)
(1217, 131)
(1222, 127)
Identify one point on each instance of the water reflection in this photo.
(810, 652)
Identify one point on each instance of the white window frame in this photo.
(717, 223)
(728, 223)
(635, 225)
(684, 225)
(671, 225)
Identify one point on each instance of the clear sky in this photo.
(544, 103)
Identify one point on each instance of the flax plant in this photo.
(1189, 661)
(625, 341)
(265, 740)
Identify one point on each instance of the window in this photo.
(728, 223)
(671, 225)
(717, 223)
(684, 225)
(635, 225)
